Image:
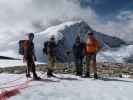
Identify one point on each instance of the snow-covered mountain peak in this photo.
(65, 34)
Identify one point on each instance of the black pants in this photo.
(79, 66)
(31, 67)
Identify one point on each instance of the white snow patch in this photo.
(71, 87)
(12, 63)
(116, 56)
(10, 53)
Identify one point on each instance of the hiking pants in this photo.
(89, 58)
(79, 66)
(51, 62)
(31, 67)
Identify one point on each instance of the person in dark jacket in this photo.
(78, 52)
(51, 54)
(29, 57)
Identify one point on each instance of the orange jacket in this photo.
(26, 44)
(92, 46)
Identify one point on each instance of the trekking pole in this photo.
(84, 65)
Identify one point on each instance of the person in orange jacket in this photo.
(92, 47)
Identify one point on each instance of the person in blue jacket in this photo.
(78, 52)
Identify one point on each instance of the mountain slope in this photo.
(65, 36)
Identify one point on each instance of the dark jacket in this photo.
(45, 47)
(51, 48)
(78, 50)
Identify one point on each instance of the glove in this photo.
(34, 58)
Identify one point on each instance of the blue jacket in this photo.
(78, 50)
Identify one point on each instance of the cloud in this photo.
(121, 27)
(22, 16)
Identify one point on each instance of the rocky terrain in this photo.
(104, 69)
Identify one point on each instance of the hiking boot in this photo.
(36, 78)
(50, 73)
(95, 76)
(77, 74)
(120, 75)
(87, 75)
(28, 75)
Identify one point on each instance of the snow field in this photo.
(70, 87)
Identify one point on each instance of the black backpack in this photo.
(21, 47)
(45, 48)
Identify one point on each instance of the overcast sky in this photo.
(108, 8)
(112, 17)
(115, 16)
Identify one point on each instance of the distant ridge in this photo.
(9, 58)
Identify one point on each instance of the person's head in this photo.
(52, 38)
(91, 35)
(77, 40)
(31, 36)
